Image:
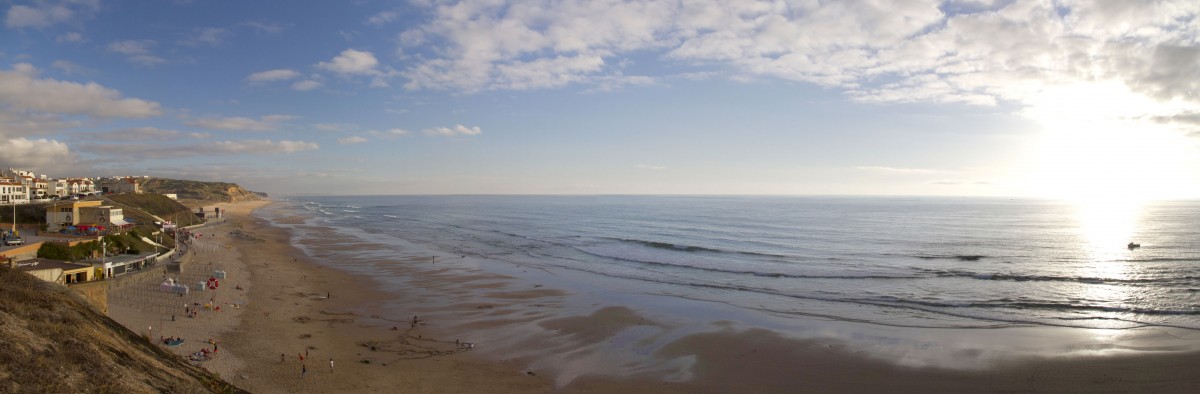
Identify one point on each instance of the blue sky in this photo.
(1005, 98)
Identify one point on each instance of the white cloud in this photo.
(352, 61)
(307, 84)
(70, 37)
(21, 90)
(899, 51)
(211, 36)
(48, 13)
(26, 123)
(68, 67)
(352, 140)
(131, 47)
(240, 123)
(545, 72)
(457, 130)
(382, 18)
(40, 154)
(281, 74)
(137, 51)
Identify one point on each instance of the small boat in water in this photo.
(1133, 246)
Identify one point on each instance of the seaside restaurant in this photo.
(122, 264)
(83, 217)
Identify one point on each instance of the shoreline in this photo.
(288, 313)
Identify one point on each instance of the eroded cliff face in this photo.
(237, 193)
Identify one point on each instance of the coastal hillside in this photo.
(199, 191)
(149, 208)
(54, 342)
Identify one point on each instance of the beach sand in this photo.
(296, 307)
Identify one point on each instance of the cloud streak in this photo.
(282, 74)
(457, 130)
(240, 123)
(143, 134)
(218, 148)
(137, 51)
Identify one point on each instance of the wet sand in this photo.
(298, 307)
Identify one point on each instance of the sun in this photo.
(1099, 146)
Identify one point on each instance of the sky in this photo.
(1066, 98)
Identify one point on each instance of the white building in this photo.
(80, 186)
(60, 187)
(13, 192)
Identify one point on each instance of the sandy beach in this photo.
(284, 315)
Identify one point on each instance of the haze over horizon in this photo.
(1072, 99)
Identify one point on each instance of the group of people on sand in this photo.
(204, 354)
(303, 366)
(190, 311)
(170, 340)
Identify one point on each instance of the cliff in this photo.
(52, 341)
(199, 191)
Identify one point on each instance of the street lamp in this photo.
(103, 254)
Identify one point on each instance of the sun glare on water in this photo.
(1102, 150)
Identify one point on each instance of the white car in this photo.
(14, 241)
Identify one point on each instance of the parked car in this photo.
(14, 241)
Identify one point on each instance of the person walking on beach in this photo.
(331, 365)
(281, 358)
(303, 370)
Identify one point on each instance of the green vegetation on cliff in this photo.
(197, 190)
(52, 341)
(147, 208)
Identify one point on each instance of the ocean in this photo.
(878, 262)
